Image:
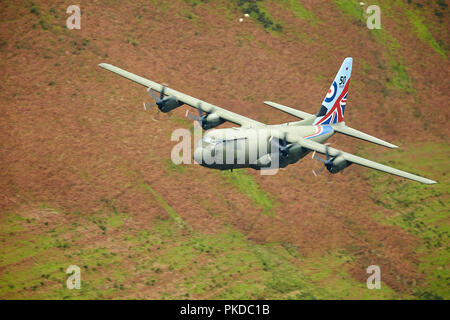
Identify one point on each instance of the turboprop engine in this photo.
(333, 164)
(164, 104)
(279, 154)
(337, 164)
(206, 120)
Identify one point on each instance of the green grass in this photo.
(187, 11)
(329, 271)
(258, 12)
(247, 185)
(195, 3)
(228, 266)
(45, 19)
(172, 167)
(352, 8)
(397, 75)
(223, 266)
(167, 260)
(298, 10)
(172, 213)
(420, 209)
(116, 221)
(39, 262)
(420, 28)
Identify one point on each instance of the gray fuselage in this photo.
(257, 148)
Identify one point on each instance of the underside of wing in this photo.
(314, 146)
(182, 98)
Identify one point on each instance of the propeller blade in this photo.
(318, 171)
(281, 145)
(162, 91)
(284, 139)
(326, 151)
(150, 92)
(192, 117)
(199, 108)
(146, 106)
(317, 157)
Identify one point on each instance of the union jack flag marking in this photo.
(336, 113)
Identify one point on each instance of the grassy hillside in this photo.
(420, 211)
(86, 177)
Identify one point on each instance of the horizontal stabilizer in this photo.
(342, 128)
(289, 110)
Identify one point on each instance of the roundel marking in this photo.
(331, 93)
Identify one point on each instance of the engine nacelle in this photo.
(338, 164)
(212, 121)
(295, 153)
(169, 103)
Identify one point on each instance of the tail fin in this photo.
(333, 106)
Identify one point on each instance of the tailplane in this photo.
(332, 110)
(333, 105)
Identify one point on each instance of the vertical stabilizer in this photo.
(333, 105)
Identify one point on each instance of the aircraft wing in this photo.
(318, 147)
(186, 99)
(289, 110)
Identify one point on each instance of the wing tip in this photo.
(424, 180)
(392, 146)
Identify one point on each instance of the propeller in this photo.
(283, 146)
(158, 100)
(328, 161)
(201, 118)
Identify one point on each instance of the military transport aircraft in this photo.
(281, 144)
